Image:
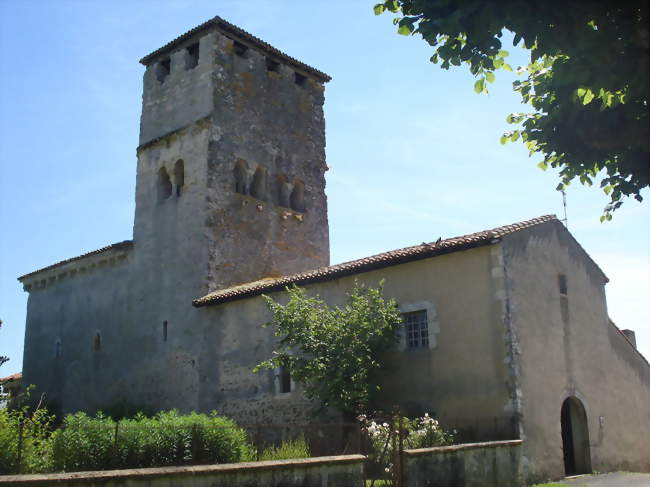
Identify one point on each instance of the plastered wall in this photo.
(567, 347)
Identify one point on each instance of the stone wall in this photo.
(487, 464)
(341, 471)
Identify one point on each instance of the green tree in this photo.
(333, 351)
(587, 80)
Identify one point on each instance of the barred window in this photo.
(416, 326)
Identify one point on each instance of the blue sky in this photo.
(414, 153)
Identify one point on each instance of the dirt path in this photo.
(617, 479)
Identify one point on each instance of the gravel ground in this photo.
(617, 479)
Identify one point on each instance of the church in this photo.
(506, 333)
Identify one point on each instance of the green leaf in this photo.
(405, 26)
(405, 29)
(589, 95)
(503, 139)
(479, 86)
(379, 9)
(503, 53)
(490, 76)
(392, 5)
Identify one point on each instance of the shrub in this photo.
(24, 440)
(296, 448)
(87, 443)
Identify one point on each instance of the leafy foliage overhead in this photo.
(587, 80)
(332, 352)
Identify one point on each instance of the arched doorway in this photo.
(575, 437)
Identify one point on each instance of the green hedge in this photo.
(87, 443)
(82, 442)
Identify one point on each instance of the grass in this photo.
(296, 448)
(379, 483)
(552, 484)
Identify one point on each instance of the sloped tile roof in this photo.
(365, 264)
(116, 246)
(11, 378)
(231, 29)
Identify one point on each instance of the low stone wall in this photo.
(337, 471)
(495, 463)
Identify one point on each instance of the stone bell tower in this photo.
(231, 163)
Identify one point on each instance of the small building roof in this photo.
(386, 259)
(116, 246)
(229, 29)
(11, 378)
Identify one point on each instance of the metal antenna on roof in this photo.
(565, 220)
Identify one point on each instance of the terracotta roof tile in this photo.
(227, 28)
(11, 378)
(365, 264)
(116, 246)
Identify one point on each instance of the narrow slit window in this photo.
(300, 79)
(284, 377)
(164, 331)
(297, 198)
(241, 171)
(97, 342)
(562, 284)
(163, 68)
(164, 185)
(192, 56)
(258, 188)
(179, 176)
(57, 349)
(239, 48)
(272, 65)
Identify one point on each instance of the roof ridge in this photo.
(364, 264)
(223, 25)
(118, 245)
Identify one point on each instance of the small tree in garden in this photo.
(386, 437)
(333, 351)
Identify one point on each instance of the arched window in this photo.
(179, 176)
(97, 342)
(164, 185)
(258, 188)
(297, 199)
(241, 177)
